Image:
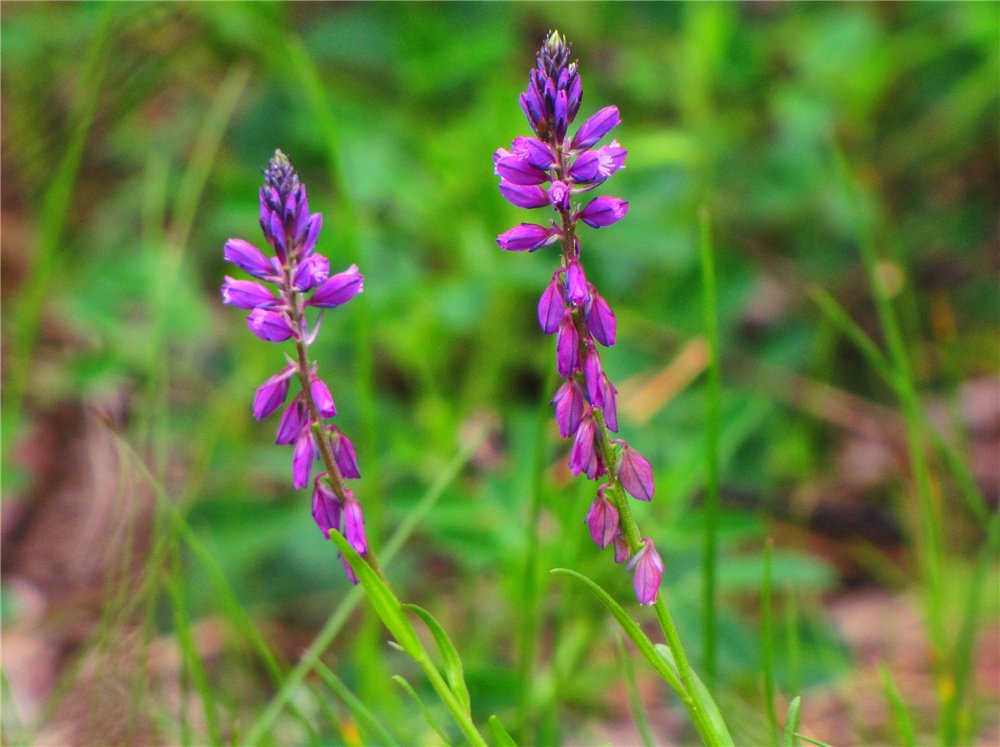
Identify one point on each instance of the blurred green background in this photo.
(133, 141)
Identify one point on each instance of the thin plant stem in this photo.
(767, 642)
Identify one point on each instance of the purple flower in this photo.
(321, 397)
(311, 273)
(515, 169)
(559, 194)
(303, 457)
(524, 196)
(603, 211)
(534, 152)
(269, 326)
(635, 473)
(599, 125)
(592, 375)
(648, 567)
(526, 237)
(326, 509)
(248, 258)
(584, 456)
(551, 305)
(609, 403)
(293, 421)
(569, 404)
(577, 291)
(602, 519)
(567, 346)
(246, 294)
(343, 454)
(354, 524)
(594, 167)
(600, 319)
(272, 393)
(338, 289)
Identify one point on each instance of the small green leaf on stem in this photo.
(449, 654)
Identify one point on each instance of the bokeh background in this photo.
(155, 557)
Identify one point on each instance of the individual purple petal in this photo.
(635, 473)
(302, 458)
(246, 294)
(569, 404)
(551, 305)
(577, 291)
(602, 519)
(248, 258)
(603, 211)
(351, 575)
(593, 167)
(517, 170)
(621, 549)
(584, 456)
(269, 326)
(524, 196)
(344, 454)
(338, 289)
(609, 403)
(567, 346)
(526, 237)
(311, 272)
(592, 374)
(600, 319)
(354, 524)
(534, 151)
(648, 567)
(293, 421)
(574, 93)
(272, 393)
(326, 509)
(560, 120)
(307, 240)
(596, 127)
(321, 397)
(559, 194)
(277, 230)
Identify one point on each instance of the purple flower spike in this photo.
(354, 524)
(585, 457)
(635, 473)
(272, 393)
(526, 237)
(322, 397)
(293, 421)
(648, 567)
(570, 403)
(248, 258)
(269, 326)
(246, 294)
(603, 211)
(567, 346)
(302, 458)
(524, 196)
(326, 509)
(600, 319)
(339, 289)
(551, 305)
(602, 519)
(599, 125)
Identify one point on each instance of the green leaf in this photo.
(428, 716)
(812, 741)
(383, 600)
(449, 654)
(703, 696)
(792, 722)
(665, 667)
(359, 710)
(501, 736)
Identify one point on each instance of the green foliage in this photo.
(847, 155)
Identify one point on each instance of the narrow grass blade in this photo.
(428, 716)
(383, 600)
(712, 420)
(632, 691)
(378, 733)
(900, 713)
(704, 698)
(792, 722)
(501, 737)
(767, 642)
(449, 655)
(811, 740)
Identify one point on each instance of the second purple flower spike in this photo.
(554, 170)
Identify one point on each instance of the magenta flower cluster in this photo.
(298, 278)
(550, 170)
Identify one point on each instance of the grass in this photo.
(843, 291)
